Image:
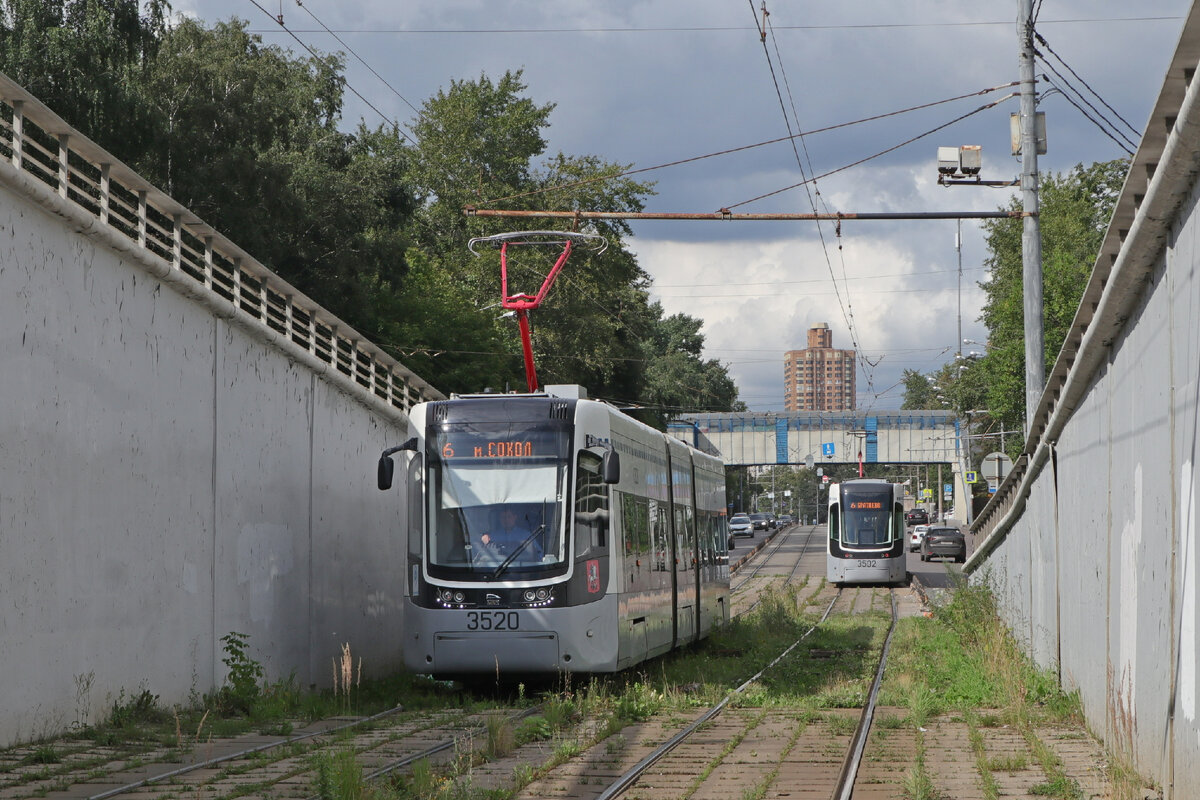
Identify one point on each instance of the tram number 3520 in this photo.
(866, 564)
(493, 620)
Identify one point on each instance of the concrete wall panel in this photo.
(1184, 290)
(1142, 529)
(106, 436)
(167, 477)
(1043, 588)
(263, 464)
(359, 551)
(1083, 535)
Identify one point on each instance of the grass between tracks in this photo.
(963, 662)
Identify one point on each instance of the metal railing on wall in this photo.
(39, 144)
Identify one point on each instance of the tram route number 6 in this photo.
(493, 620)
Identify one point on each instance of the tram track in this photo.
(730, 743)
(759, 563)
(284, 766)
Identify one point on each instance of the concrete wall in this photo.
(166, 477)
(1091, 543)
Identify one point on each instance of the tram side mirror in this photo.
(387, 467)
(611, 466)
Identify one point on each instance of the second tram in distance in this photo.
(866, 533)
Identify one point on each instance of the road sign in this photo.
(947, 488)
(827, 449)
(971, 476)
(824, 479)
(996, 466)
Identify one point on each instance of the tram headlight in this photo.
(530, 595)
(459, 597)
(445, 595)
(542, 594)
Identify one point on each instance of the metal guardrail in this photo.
(39, 144)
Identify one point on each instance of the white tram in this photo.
(623, 550)
(866, 533)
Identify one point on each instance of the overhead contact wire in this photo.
(905, 143)
(732, 150)
(845, 305)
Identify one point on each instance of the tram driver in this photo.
(508, 535)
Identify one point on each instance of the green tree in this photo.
(477, 146)
(251, 144)
(86, 60)
(1075, 209)
(918, 391)
(678, 378)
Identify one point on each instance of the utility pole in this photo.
(958, 247)
(1031, 238)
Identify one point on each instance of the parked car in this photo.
(944, 542)
(915, 534)
(918, 516)
(761, 522)
(740, 525)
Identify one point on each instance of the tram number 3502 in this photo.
(493, 620)
(867, 564)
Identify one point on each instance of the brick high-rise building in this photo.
(819, 378)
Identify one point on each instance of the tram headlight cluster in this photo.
(452, 597)
(538, 597)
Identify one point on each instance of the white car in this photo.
(741, 525)
(915, 535)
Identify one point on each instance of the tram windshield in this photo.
(868, 517)
(495, 500)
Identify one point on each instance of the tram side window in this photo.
(591, 505)
(660, 533)
(635, 524)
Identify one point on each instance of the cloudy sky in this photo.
(647, 82)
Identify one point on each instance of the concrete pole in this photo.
(1031, 238)
(958, 247)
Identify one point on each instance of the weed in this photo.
(841, 725)
(83, 690)
(500, 737)
(918, 785)
(1060, 787)
(1012, 763)
(638, 703)
(43, 754)
(339, 776)
(534, 729)
(344, 677)
(241, 688)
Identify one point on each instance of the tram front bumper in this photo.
(495, 653)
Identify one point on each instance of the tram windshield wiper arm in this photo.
(517, 551)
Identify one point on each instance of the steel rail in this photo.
(758, 562)
(631, 776)
(845, 785)
(129, 787)
(437, 748)
(791, 575)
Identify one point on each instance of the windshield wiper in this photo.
(517, 551)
